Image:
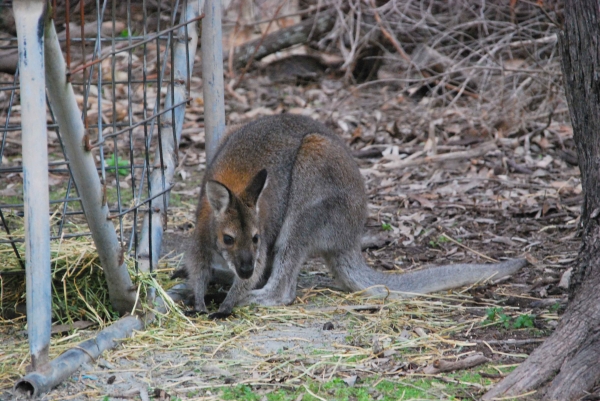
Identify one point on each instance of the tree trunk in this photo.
(567, 365)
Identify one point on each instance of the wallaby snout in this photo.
(245, 266)
(245, 271)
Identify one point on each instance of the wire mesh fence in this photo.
(119, 59)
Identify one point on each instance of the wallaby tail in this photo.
(355, 275)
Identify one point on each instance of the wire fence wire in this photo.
(119, 57)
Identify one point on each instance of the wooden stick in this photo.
(467, 248)
(467, 154)
(440, 365)
(389, 36)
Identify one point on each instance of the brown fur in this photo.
(313, 204)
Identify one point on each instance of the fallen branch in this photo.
(459, 382)
(440, 365)
(466, 154)
(510, 341)
(348, 308)
(8, 61)
(310, 29)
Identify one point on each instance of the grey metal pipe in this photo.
(162, 178)
(29, 19)
(43, 380)
(83, 168)
(212, 78)
(51, 375)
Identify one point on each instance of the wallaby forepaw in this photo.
(219, 315)
(194, 313)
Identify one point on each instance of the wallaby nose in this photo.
(246, 265)
(246, 270)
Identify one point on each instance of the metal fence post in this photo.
(83, 167)
(212, 78)
(29, 19)
(162, 175)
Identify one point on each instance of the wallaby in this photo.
(285, 188)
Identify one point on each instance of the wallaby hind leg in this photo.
(306, 232)
(326, 214)
(350, 271)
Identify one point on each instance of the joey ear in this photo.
(218, 196)
(254, 189)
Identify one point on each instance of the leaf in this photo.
(351, 380)
(523, 321)
(111, 162)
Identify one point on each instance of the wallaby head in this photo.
(236, 223)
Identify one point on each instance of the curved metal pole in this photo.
(51, 375)
(83, 168)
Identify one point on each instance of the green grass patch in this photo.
(369, 389)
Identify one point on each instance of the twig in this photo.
(455, 381)
(451, 87)
(347, 308)
(441, 365)
(467, 154)
(514, 397)
(517, 167)
(487, 344)
(313, 394)
(389, 36)
(467, 248)
(511, 341)
(234, 338)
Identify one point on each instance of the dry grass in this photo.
(376, 338)
(276, 347)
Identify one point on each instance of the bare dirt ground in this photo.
(498, 197)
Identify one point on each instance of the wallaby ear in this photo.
(254, 189)
(218, 196)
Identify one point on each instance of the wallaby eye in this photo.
(255, 238)
(228, 239)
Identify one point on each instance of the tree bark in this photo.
(566, 366)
